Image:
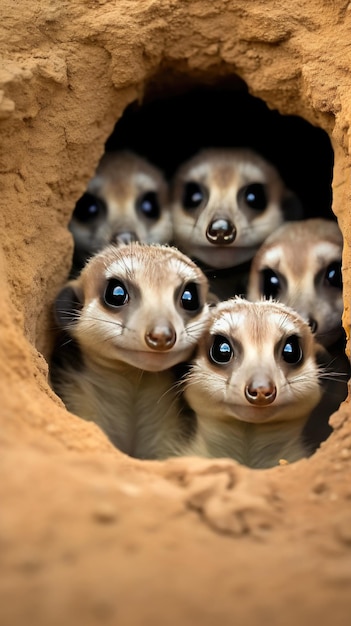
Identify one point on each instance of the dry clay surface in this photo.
(88, 535)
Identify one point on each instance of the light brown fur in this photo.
(299, 253)
(223, 174)
(260, 432)
(122, 381)
(122, 180)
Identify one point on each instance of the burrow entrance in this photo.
(171, 126)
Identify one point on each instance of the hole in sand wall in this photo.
(169, 129)
(89, 534)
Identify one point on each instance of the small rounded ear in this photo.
(68, 303)
(292, 207)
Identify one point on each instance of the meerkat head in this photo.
(256, 363)
(300, 265)
(127, 200)
(144, 305)
(225, 202)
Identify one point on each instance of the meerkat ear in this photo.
(67, 304)
(292, 207)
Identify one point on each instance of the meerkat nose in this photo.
(124, 237)
(221, 231)
(260, 392)
(161, 337)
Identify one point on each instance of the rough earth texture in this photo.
(88, 535)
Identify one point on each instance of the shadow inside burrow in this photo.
(170, 129)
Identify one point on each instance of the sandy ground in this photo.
(88, 535)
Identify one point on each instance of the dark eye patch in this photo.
(194, 195)
(221, 351)
(255, 196)
(270, 284)
(89, 208)
(190, 299)
(292, 351)
(148, 205)
(333, 276)
(116, 294)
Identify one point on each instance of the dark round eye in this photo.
(255, 196)
(221, 352)
(292, 352)
(88, 208)
(193, 195)
(333, 275)
(270, 284)
(116, 294)
(148, 204)
(190, 297)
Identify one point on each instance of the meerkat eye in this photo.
(292, 351)
(190, 297)
(116, 294)
(193, 195)
(255, 196)
(270, 284)
(221, 352)
(88, 208)
(149, 206)
(333, 275)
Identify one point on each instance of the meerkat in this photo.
(127, 200)
(134, 312)
(300, 265)
(225, 202)
(252, 384)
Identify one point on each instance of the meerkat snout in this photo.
(260, 391)
(225, 202)
(123, 237)
(126, 201)
(161, 336)
(221, 232)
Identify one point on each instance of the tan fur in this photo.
(299, 253)
(121, 180)
(228, 424)
(123, 384)
(224, 173)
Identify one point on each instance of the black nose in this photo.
(123, 237)
(261, 395)
(161, 337)
(221, 232)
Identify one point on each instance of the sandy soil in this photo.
(88, 535)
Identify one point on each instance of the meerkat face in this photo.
(256, 363)
(127, 200)
(300, 265)
(224, 205)
(144, 305)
